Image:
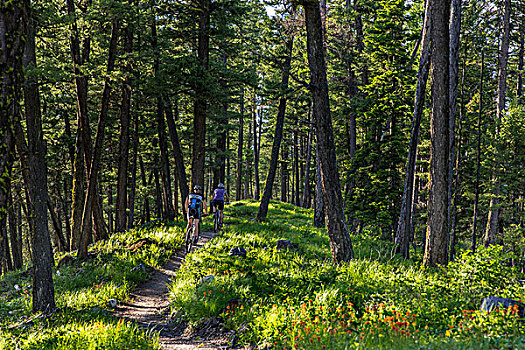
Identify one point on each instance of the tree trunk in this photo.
(256, 143)
(15, 235)
(265, 201)
(284, 173)
(83, 133)
(55, 220)
(43, 262)
(436, 248)
(220, 158)
(146, 211)
(493, 219)
(405, 215)
(158, 192)
(238, 180)
(519, 90)
(340, 243)
(296, 167)
(133, 183)
(125, 119)
(319, 199)
(200, 104)
(453, 219)
(164, 163)
(90, 201)
(306, 193)
(478, 155)
(177, 151)
(248, 172)
(12, 33)
(455, 30)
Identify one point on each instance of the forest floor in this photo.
(149, 308)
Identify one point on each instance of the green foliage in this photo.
(487, 272)
(298, 299)
(82, 292)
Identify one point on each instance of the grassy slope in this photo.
(277, 299)
(82, 292)
(299, 299)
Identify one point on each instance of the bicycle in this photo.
(216, 218)
(190, 239)
(217, 225)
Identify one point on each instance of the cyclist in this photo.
(194, 205)
(217, 201)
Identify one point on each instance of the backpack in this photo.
(195, 201)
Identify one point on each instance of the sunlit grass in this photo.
(299, 299)
(82, 292)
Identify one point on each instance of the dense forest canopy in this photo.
(123, 106)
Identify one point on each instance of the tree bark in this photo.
(55, 220)
(200, 104)
(340, 242)
(125, 120)
(15, 235)
(221, 143)
(455, 30)
(519, 89)
(306, 193)
(436, 248)
(164, 163)
(90, 201)
(83, 133)
(238, 180)
(256, 143)
(133, 183)
(177, 151)
(146, 211)
(478, 156)
(43, 262)
(493, 219)
(405, 215)
(270, 178)
(12, 33)
(247, 172)
(158, 192)
(319, 214)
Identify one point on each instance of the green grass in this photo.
(82, 291)
(299, 299)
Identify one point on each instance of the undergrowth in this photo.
(298, 298)
(83, 290)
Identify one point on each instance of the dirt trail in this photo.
(149, 308)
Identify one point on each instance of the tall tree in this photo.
(43, 288)
(305, 202)
(177, 150)
(94, 163)
(493, 219)
(436, 247)
(12, 34)
(270, 178)
(478, 156)
(125, 120)
(405, 216)
(200, 104)
(454, 30)
(238, 178)
(340, 242)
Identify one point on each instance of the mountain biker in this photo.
(194, 205)
(217, 200)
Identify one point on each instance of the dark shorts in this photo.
(218, 203)
(196, 213)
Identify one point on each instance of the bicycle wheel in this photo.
(216, 221)
(188, 239)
